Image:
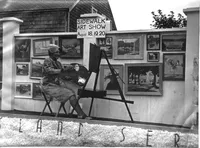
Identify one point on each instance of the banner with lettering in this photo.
(91, 27)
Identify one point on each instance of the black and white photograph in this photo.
(99, 73)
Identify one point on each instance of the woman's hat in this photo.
(53, 48)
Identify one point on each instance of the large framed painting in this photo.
(144, 79)
(37, 94)
(23, 90)
(40, 46)
(22, 69)
(22, 50)
(107, 81)
(153, 41)
(174, 42)
(129, 46)
(36, 68)
(174, 66)
(71, 47)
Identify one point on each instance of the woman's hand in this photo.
(67, 67)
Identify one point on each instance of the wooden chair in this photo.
(48, 99)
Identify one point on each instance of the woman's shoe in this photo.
(85, 117)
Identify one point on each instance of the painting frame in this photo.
(71, 47)
(108, 40)
(104, 70)
(22, 69)
(23, 89)
(174, 71)
(128, 46)
(37, 94)
(41, 46)
(173, 42)
(143, 79)
(153, 41)
(153, 56)
(36, 67)
(22, 50)
(101, 41)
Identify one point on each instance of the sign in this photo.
(91, 27)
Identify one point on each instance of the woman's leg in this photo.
(74, 103)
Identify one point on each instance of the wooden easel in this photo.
(94, 65)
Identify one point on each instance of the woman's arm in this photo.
(48, 67)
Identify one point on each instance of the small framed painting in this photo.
(153, 56)
(107, 81)
(153, 41)
(143, 79)
(22, 50)
(71, 47)
(37, 94)
(41, 46)
(101, 41)
(108, 40)
(23, 90)
(22, 69)
(129, 46)
(173, 42)
(36, 68)
(174, 66)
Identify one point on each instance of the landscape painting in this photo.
(71, 47)
(143, 79)
(129, 46)
(36, 68)
(174, 66)
(173, 42)
(37, 95)
(23, 90)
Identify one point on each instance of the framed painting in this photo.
(36, 68)
(37, 94)
(108, 40)
(22, 50)
(153, 56)
(101, 41)
(23, 90)
(107, 81)
(22, 69)
(40, 46)
(174, 66)
(153, 41)
(143, 79)
(108, 49)
(173, 42)
(129, 46)
(71, 47)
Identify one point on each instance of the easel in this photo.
(94, 65)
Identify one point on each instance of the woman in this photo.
(57, 86)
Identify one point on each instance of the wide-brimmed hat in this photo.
(53, 48)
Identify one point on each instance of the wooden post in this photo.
(10, 28)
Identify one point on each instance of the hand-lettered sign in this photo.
(91, 27)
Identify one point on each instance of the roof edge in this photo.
(7, 19)
(192, 9)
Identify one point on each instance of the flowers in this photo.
(85, 134)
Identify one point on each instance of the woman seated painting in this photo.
(55, 85)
